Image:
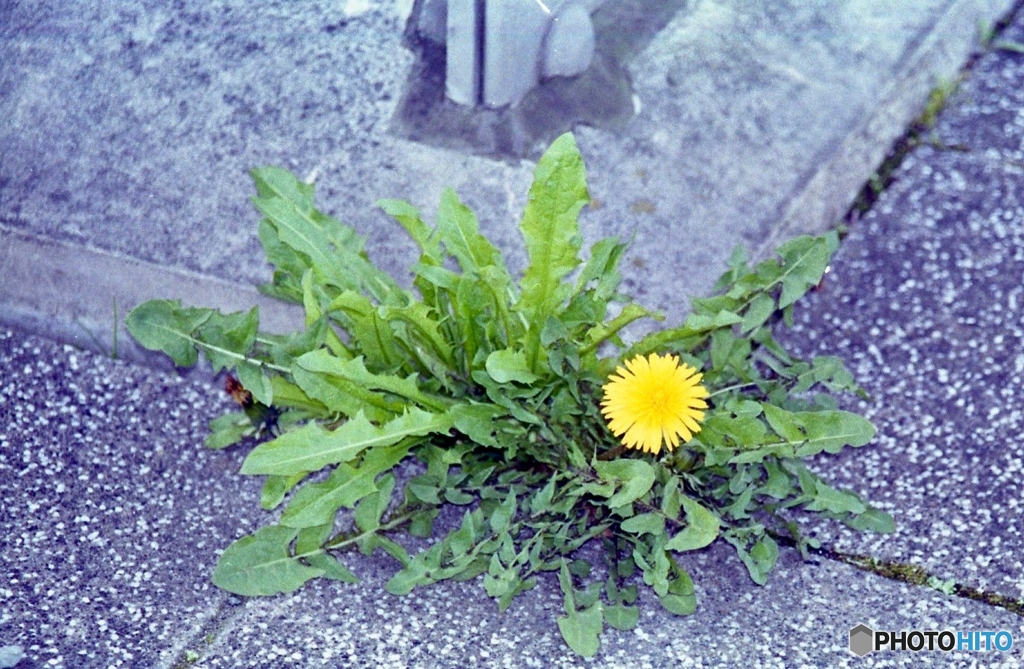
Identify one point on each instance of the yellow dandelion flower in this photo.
(654, 398)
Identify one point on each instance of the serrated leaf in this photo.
(354, 371)
(460, 233)
(650, 523)
(227, 430)
(165, 325)
(371, 508)
(261, 564)
(785, 423)
(551, 232)
(636, 477)
(701, 527)
(317, 503)
(805, 259)
(332, 568)
(580, 629)
(476, 421)
(680, 598)
(760, 559)
(311, 447)
(509, 365)
(759, 310)
(503, 514)
(874, 520)
(335, 251)
(828, 498)
(230, 337)
(830, 431)
(621, 617)
(276, 487)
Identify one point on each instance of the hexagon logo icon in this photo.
(862, 640)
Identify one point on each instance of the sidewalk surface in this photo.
(112, 514)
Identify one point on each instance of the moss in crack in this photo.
(917, 575)
(920, 132)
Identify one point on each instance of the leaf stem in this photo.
(733, 387)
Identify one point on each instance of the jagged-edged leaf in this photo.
(620, 616)
(312, 447)
(650, 523)
(276, 487)
(261, 564)
(165, 325)
(227, 430)
(316, 504)
(335, 250)
(476, 421)
(230, 336)
(581, 629)
(804, 259)
(371, 334)
(701, 527)
(460, 233)
(551, 231)
(354, 371)
(409, 217)
(874, 520)
(371, 508)
(636, 477)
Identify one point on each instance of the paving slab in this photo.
(130, 127)
(924, 301)
(113, 517)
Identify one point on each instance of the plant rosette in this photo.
(521, 404)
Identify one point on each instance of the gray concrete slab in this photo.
(113, 517)
(129, 128)
(925, 302)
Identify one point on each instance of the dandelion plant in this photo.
(517, 402)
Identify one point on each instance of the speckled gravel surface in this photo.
(926, 304)
(111, 514)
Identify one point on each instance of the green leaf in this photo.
(760, 309)
(580, 629)
(874, 520)
(760, 559)
(311, 447)
(476, 421)
(227, 430)
(276, 487)
(460, 233)
(636, 477)
(680, 598)
(332, 568)
(828, 498)
(165, 325)
(551, 232)
(508, 365)
(650, 523)
(355, 372)
(504, 513)
(335, 251)
(261, 564)
(371, 508)
(317, 503)
(830, 431)
(621, 617)
(805, 259)
(701, 527)
(230, 334)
